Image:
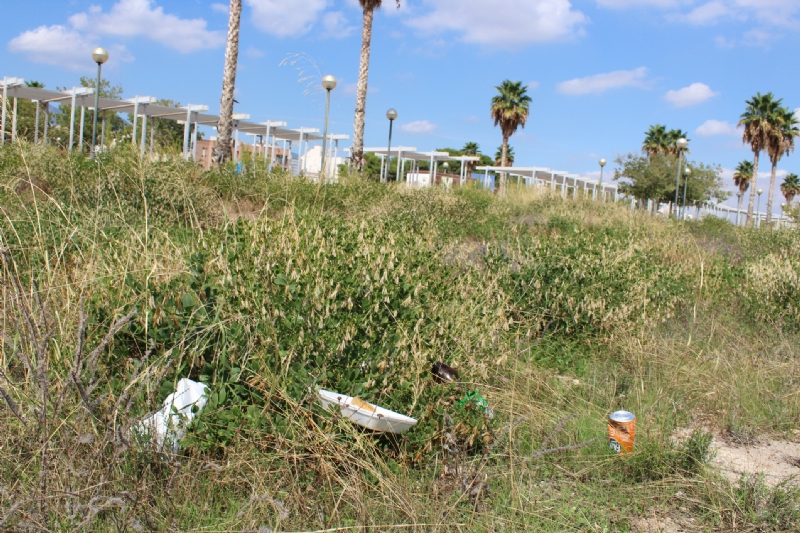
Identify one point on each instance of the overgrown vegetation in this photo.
(122, 276)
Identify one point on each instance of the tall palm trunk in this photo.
(222, 150)
(771, 190)
(504, 163)
(361, 91)
(753, 186)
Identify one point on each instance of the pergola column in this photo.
(14, 121)
(36, 126)
(135, 118)
(143, 141)
(3, 112)
(72, 121)
(46, 121)
(194, 139)
(80, 129)
(186, 131)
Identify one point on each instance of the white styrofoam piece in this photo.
(369, 416)
(167, 426)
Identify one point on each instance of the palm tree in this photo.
(758, 123)
(498, 156)
(222, 149)
(369, 7)
(674, 136)
(743, 175)
(470, 149)
(790, 187)
(656, 140)
(510, 110)
(781, 142)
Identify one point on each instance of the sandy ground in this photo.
(777, 460)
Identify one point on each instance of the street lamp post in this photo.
(758, 208)
(329, 84)
(100, 56)
(688, 173)
(602, 163)
(681, 144)
(738, 207)
(391, 115)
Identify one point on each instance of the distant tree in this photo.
(115, 125)
(369, 7)
(168, 134)
(498, 156)
(790, 187)
(781, 142)
(470, 149)
(656, 140)
(758, 121)
(26, 116)
(653, 178)
(222, 148)
(743, 175)
(659, 140)
(510, 110)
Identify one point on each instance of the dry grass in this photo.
(640, 317)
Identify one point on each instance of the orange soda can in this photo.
(621, 431)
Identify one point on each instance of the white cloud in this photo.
(603, 82)
(141, 18)
(694, 94)
(61, 46)
(418, 126)
(336, 25)
(780, 13)
(506, 24)
(710, 128)
(284, 18)
(221, 8)
(533, 85)
(708, 13)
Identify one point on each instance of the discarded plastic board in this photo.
(365, 414)
(167, 426)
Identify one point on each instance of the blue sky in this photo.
(600, 71)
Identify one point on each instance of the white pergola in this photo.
(144, 107)
(408, 155)
(546, 177)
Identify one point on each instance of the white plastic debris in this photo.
(167, 426)
(365, 414)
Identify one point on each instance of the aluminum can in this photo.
(621, 431)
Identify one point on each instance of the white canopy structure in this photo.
(144, 107)
(407, 155)
(546, 177)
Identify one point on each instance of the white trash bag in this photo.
(166, 427)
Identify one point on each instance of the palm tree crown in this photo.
(758, 121)
(510, 108)
(781, 141)
(470, 148)
(674, 136)
(659, 140)
(790, 187)
(743, 175)
(656, 140)
(498, 156)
